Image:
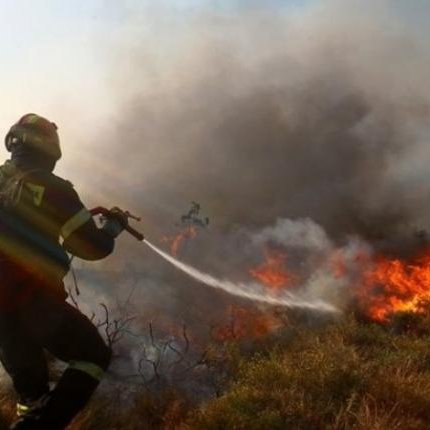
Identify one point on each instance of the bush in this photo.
(346, 376)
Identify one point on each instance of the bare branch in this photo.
(151, 334)
(72, 297)
(185, 336)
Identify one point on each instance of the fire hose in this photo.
(251, 291)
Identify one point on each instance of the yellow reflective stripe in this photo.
(75, 222)
(37, 192)
(91, 369)
(21, 409)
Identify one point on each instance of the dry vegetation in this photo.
(347, 376)
(344, 375)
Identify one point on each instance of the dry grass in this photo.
(348, 376)
(339, 377)
(146, 412)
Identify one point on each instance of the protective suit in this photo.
(41, 220)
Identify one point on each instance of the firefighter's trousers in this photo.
(49, 323)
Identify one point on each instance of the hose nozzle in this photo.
(99, 210)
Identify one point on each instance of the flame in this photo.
(249, 322)
(392, 285)
(338, 265)
(273, 272)
(382, 285)
(246, 323)
(177, 241)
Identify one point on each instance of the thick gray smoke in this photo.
(258, 115)
(307, 128)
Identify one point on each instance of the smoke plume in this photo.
(259, 115)
(303, 127)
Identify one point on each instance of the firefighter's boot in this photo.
(62, 404)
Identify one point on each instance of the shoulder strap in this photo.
(11, 188)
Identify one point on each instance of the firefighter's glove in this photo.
(115, 222)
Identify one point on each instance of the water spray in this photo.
(251, 291)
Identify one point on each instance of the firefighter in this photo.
(38, 210)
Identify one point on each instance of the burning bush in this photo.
(391, 285)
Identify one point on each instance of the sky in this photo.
(57, 60)
(54, 57)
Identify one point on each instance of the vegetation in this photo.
(343, 375)
(346, 376)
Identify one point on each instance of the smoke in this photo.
(306, 128)
(303, 233)
(321, 114)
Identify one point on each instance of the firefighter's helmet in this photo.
(36, 133)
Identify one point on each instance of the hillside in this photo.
(342, 375)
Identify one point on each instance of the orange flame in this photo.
(273, 273)
(177, 241)
(252, 323)
(338, 265)
(244, 323)
(391, 285)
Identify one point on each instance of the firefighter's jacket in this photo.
(42, 217)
